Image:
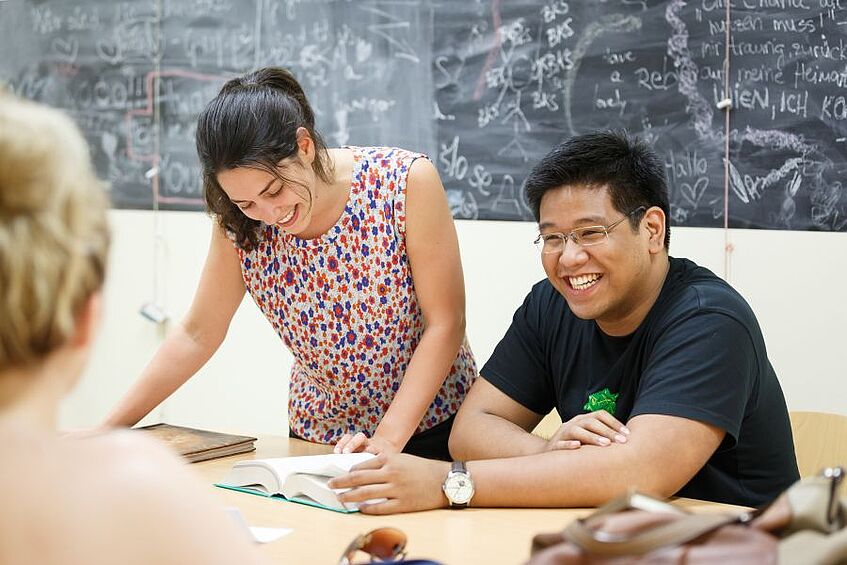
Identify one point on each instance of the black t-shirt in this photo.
(699, 354)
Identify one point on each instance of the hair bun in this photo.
(53, 229)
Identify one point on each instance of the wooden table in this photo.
(470, 536)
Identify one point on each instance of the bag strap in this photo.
(814, 503)
(676, 532)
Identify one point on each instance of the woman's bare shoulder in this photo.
(121, 494)
(123, 451)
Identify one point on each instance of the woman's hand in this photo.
(360, 442)
(595, 428)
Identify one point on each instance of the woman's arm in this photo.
(433, 250)
(193, 341)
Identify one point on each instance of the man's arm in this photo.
(490, 424)
(662, 455)
(508, 426)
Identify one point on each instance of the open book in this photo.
(298, 479)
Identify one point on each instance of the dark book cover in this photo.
(199, 445)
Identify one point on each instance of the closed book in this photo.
(297, 479)
(199, 445)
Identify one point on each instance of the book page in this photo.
(272, 473)
(329, 465)
(298, 479)
(314, 489)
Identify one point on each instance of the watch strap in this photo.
(458, 467)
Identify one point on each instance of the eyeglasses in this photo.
(549, 243)
(381, 544)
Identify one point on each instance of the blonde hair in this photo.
(53, 230)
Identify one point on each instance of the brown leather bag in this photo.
(806, 524)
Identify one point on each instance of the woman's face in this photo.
(265, 197)
(285, 199)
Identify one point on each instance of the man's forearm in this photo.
(662, 454)
(589, 476)
(486, 436)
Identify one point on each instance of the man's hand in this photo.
(596, 428)
(360, 442)
(408, 484)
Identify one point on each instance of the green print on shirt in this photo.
(602, 400)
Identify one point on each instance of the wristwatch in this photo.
(458, 486)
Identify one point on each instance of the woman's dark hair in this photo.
(632, 171)
(253, 122)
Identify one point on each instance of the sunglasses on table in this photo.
(381, 544)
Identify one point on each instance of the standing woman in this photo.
(351, 254)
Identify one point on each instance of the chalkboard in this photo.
(484, 88)
(136, 74)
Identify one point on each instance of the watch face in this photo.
(458, 488)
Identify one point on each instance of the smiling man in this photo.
(619, 333)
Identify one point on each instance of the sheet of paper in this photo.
(259, 534)
(267, 535)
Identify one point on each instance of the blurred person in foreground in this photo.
(112, 498)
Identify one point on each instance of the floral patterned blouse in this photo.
(345, 305)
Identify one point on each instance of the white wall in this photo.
(793, 280)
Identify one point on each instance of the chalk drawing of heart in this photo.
(109, 51)
(66, 49)
(694, 193)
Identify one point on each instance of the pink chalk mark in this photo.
(148, 111)
(492, 53)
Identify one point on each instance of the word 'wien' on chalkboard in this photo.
(485, 88)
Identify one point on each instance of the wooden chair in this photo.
(548, 426)
(820, 440)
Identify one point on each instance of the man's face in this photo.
(608, 282)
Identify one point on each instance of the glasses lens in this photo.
(591, 235)
(539, 244)
(550, 243)
(385, 543)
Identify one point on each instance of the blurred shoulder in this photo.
(118, 497)
(124, 457)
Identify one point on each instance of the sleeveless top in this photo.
(344, 303)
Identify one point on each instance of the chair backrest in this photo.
(820, 440)
(548, 426)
